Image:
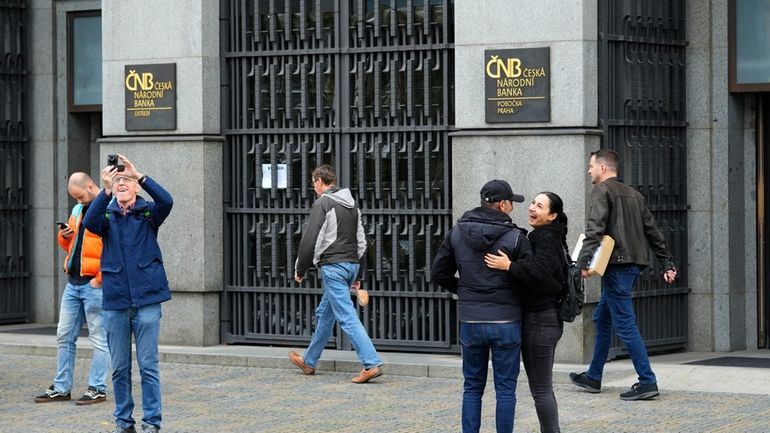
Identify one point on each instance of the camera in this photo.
(113, 161)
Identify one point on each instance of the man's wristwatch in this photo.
(142, 179)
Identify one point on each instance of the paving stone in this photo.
(215, 398)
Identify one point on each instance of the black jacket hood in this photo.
(482, 227)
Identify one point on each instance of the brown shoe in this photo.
(362, 296)
(299, 362)
(367, 375)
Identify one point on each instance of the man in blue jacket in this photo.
(134, 285)
(489, 304)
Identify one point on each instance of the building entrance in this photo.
(642, 46)
(367, 87)
(14, 206)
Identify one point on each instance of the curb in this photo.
(439, 370)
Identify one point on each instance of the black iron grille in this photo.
(366, 86)
(642, 111)
(14, 268)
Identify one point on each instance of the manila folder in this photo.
(601, 256)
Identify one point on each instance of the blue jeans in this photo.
(336, 304)
(616, 310)
(144, 324)
(78, 304)
(504, 340)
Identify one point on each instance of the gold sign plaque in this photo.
(517, 85)
(150, 97)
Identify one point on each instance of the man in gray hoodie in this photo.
(334, 241)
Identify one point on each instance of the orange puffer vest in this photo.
(91, 251)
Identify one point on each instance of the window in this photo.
(749, 22)
(84, 61)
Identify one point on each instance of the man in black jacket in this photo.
(489, 304)
(619, 211)
(334, 241)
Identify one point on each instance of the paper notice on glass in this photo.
(601, 256)
(267, 178)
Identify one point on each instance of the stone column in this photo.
(533, 157)
(721, 190)
(186, 161)
(43, 180)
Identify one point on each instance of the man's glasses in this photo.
(123, 179)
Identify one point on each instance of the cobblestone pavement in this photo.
(206, 398)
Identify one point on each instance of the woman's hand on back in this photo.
(498, 261)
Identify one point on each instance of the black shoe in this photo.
(130, 429)
(91, 396)
(50, 395)
(150, 428)
(582, 380)
(641, 392)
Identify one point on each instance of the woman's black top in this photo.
(543, 273)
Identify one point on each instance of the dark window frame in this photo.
(735, 86)
(71, 107)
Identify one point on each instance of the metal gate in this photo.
(642, 111)
(366, 86)
(14, 271)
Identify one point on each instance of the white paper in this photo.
(267, 179)
(578, 247)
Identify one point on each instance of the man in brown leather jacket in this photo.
(620, 211)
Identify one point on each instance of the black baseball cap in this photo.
(497, 190)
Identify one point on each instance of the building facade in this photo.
(395, 94)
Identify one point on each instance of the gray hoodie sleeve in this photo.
(309, 237)
(361, 238)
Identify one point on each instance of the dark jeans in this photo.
(616, 310)
(540, 332)
(504, 341)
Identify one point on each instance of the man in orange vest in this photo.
(81, 301)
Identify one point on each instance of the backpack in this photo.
(572, 292)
